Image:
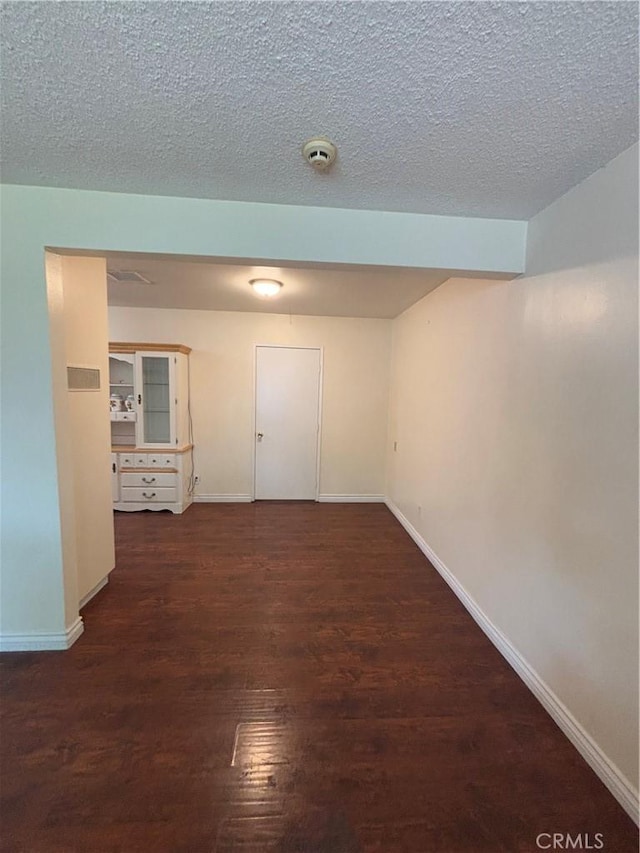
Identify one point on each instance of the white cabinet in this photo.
(150, 495)
(121, 398)
(150, 426)
(161, 460)
(149, 405)
(165, 484)
(143, 479)
(157, 398)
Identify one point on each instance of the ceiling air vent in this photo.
(128, 276)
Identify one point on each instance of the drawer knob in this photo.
(148, 480)
(145, 495)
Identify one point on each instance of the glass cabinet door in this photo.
(155, 375)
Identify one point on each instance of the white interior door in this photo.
(287, 423)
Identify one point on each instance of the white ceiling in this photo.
(323, 290)
(477, 108)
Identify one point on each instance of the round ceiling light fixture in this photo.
(319, 153)
(266, 287)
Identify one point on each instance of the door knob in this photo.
(260, 436)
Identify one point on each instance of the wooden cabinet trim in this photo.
(122, 347)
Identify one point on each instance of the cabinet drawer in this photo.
(148, 495)
(161, 460)
(127, 460)
(144, 479)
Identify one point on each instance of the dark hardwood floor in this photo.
(283, 677)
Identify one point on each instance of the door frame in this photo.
(320, 349)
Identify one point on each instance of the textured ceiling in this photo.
(472, 108)
(321, 290)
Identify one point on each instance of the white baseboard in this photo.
(222, 499)
(42, 642)
(87, 598)
(351, 499)
(606, 770)
(340, 499)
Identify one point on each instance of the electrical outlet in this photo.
(196, 480)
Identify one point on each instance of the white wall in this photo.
(355, 393)
(32, 570)
(86, 336)
(64, 460)
(515, 409)
(77, 297)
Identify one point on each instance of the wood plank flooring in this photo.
(283, 677)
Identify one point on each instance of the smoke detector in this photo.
(319, 153)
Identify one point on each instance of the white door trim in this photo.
(320, 349)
